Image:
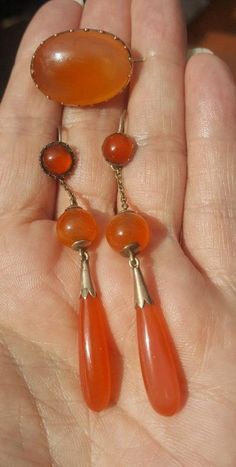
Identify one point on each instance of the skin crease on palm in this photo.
(183, 117)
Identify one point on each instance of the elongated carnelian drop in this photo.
(84, 67)
(94, 361)
(159, 362)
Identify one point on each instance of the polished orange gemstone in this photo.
(119, 149)
(159, 362)
(76, 225)
(127, 228)
(57, 159)
(82, 67)
(95, 373)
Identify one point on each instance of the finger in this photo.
(155, 178)
(210, 204)
(85, 129)
(28, 120)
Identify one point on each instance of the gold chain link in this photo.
(123, 198)
(73, 200)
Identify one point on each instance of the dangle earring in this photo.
(128, 234)
(82, 68)
(77, 229)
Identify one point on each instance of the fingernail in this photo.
(198, 50)
(80, 2)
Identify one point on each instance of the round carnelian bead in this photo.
(76, 225)
(127, 228)
(57, 159)
(119, 149)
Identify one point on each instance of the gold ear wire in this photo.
(121, 128)
(59, 134)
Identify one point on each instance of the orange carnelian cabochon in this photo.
(57, 159)
(81, 67)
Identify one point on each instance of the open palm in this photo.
(180, 118)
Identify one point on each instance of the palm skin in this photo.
(44, 420)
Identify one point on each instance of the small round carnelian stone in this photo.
(76, 225)
(57, 159)
(127, 228)
(119, 149)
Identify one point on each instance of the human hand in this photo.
(44, 420)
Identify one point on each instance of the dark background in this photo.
(14, 17)
(213, 27)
